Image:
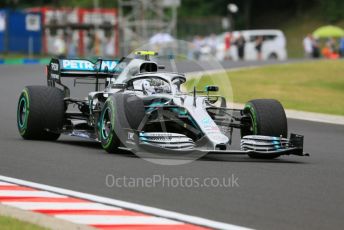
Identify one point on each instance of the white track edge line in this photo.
(128, 205)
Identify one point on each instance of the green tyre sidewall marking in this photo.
(23, 127)
(253, 116)
(109, 139)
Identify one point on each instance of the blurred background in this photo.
(221, 29)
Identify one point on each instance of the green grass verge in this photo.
(316, 86)
(9, 223)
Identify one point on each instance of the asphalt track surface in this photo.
(288, 193)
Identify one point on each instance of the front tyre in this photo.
(264, 117)
(107, 135)
(40, 113)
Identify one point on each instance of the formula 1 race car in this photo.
(143, 108)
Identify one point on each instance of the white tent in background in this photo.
(161, 38)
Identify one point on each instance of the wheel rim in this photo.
(22, 112)
(106, 123)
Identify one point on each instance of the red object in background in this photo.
(81, 14)
(101, 11)
(326, 52)
(227, 41)
(81, 33)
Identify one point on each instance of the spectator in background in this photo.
(315, 48)
(197, 45)
(332, 45)
(330, 50)
(240, 43)
(109, 47)
(71, 46)
(258, 47)
(59, 46)
(308, 46)
(341, 47)
(228, 40)
(212, 44)
(90, 43)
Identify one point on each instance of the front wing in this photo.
(281, 146)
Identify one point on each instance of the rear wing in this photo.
(79, 68)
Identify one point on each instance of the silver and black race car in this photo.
(142, 108)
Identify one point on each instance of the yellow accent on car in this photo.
(146, 52)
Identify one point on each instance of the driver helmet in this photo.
(147, 87)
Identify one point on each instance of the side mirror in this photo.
(211, 88)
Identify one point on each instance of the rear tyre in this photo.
(40, 113)
(264, 117)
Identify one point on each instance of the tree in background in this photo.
(333, 10)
